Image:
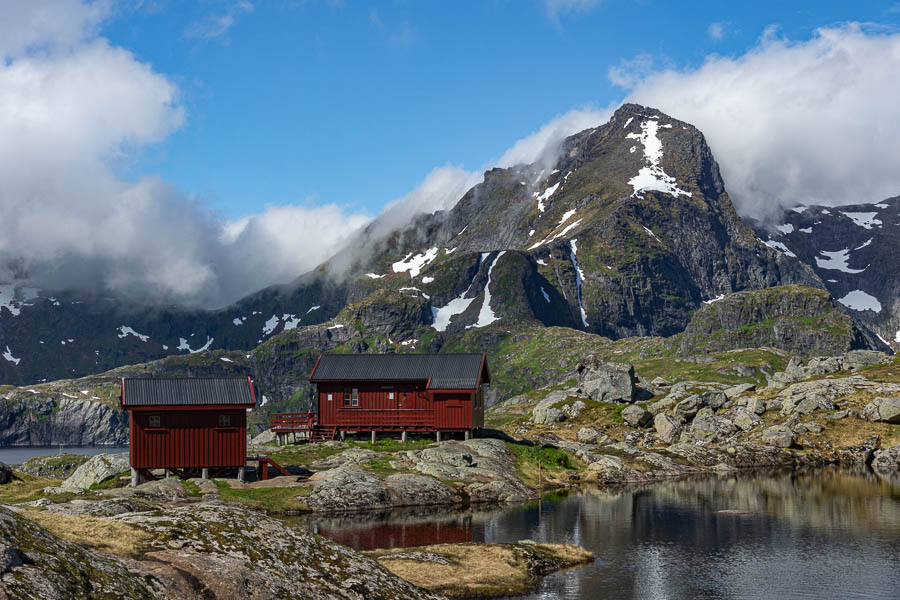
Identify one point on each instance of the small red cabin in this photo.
(187, 424)
(401, 392)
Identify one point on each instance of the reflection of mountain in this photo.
(824, 533)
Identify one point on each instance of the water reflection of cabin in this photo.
(434, 393)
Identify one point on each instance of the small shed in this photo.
(401, 392)
(186, 425)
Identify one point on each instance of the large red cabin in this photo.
(401, 392)
(183, 425)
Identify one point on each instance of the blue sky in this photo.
(354, 103)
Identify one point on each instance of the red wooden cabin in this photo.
(183, 425)
(401, 392)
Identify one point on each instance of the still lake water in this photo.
(16, 455)
(820, 534)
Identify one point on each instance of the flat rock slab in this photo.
(482, 570)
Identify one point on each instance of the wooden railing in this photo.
(292, 422)
(398, 418)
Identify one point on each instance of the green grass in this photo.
(191, 489)
(274, 500)
(535, 463)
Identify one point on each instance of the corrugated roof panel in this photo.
(446, 371)
(187, 391)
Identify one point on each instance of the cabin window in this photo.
(351, 397)
(329, 397)
(154, 421)
(224, 420)
(390, 395)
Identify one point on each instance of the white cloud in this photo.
(794, 122)
(55, 24)
(215, 25)
(557, 7)
(716, 31)
(73, 108)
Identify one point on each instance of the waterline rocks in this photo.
(668, 428)
(886, 460)
(779, 436)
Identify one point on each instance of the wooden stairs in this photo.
(322, 434)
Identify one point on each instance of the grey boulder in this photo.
(97, 470)
(636, 416)
(885, 410)
(779, 436)
(667, 428)
(606, 382)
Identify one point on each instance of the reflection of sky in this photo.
(826, 535)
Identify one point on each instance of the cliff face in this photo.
(48, 421)
(795, 318)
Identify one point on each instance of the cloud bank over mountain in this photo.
(815, 121)
(789, 122)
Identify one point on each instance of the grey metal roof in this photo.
(446, 371)
(187, 391)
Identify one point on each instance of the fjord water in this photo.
(16, 455)
(817, 534)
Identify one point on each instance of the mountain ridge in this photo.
(628, 234)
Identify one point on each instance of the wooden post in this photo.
(403, 436)
(466, 434)
(204, 474)
(241, 475)
(373, 436)
(438, 436)
(343, 434)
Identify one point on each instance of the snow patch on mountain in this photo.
(548, 239)
(805, 230)
(290, 321)
(652, 177)
(779, 246)
(125, 331)
(837, 261)
(7, 299)
(566, 216)
(545, 195)
(648, 230)
(859, 300)
(865, 220)
(415, 264)
(270, 325)
(183, 345)
(317, 307)
(867, 242)
(579, 279)
(8, 356)
(237, 322)
(785, 229)
(546, 295)
(427, 279)
(716, 299)
(486, 315)
(374, 276)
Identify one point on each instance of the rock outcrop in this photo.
(97, 470)
(885, 410)
(28, 419)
